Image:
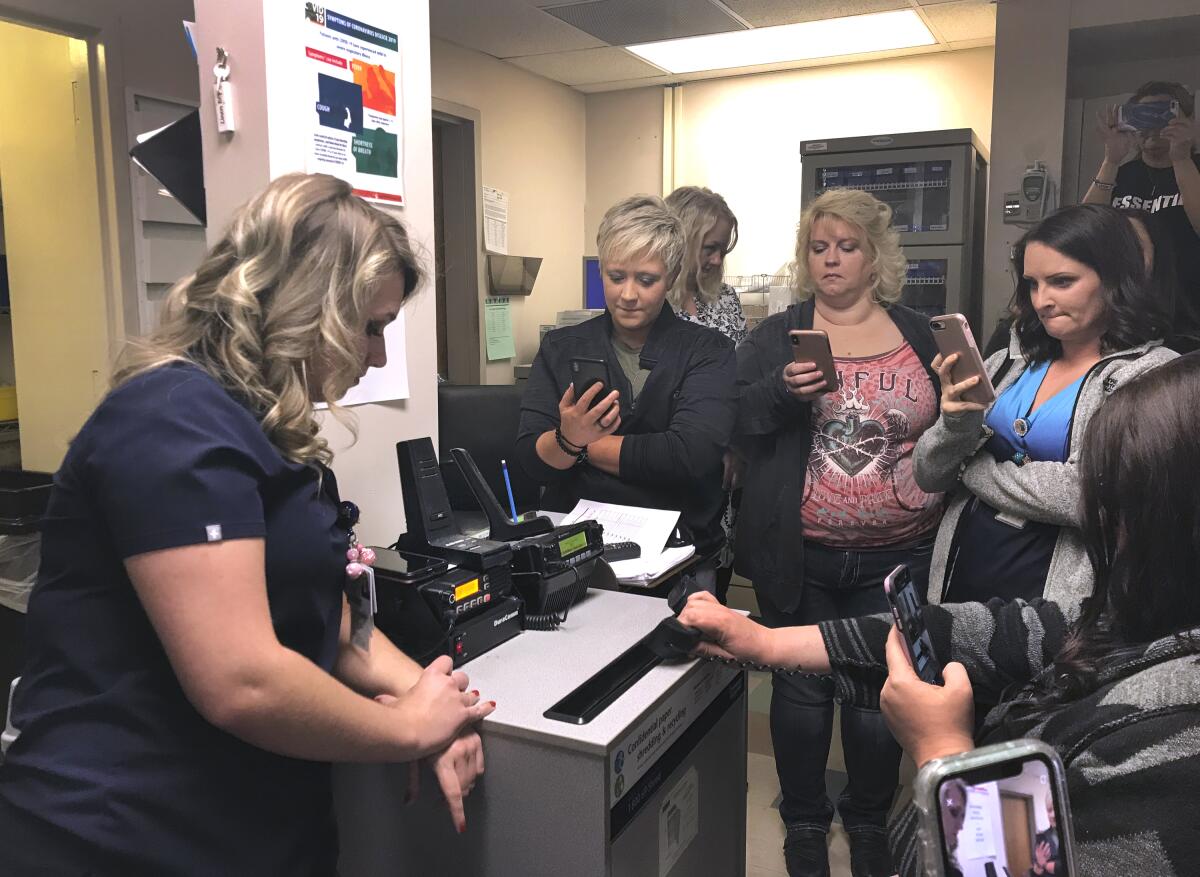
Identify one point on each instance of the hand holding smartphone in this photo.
(812, 345)
(952, 335)
(906, 612)
(997, 809)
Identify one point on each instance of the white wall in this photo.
(269, 142)
(1028, 106)
(532, 134)
(624, 152)
(741, 136)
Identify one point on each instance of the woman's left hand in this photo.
(457, 768)
(929, 721)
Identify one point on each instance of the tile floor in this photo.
(764, 831)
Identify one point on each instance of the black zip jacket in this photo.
(774, 435)
(675, 435)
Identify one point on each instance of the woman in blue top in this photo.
(1085, 321)
(193, 667)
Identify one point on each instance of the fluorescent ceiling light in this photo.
(851, 35)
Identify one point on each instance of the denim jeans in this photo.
(837, 584)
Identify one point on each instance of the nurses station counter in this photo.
(655, 785)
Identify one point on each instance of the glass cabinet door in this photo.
(917, 191)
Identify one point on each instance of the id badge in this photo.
(360, 594)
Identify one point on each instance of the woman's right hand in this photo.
(581, 422)
(439, 706)
(727, 633)
(952, 401)
(804, 381)
(1117, 143)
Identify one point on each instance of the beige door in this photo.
(52, 229)
(1018, 831)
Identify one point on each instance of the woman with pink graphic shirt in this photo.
(830, 504)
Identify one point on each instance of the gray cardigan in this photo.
(947, 459)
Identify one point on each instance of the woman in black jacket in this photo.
(830, 504)
(655, 436)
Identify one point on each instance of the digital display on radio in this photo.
(466, 589)
(568, 546)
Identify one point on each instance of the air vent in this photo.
(627, 22)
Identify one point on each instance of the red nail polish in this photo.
(474, 692)
(492, 702)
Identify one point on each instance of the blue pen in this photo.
(512, 504)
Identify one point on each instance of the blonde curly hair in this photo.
(287, 286)
(880, 241)
(698, 209)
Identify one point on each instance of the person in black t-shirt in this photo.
(1162, 180)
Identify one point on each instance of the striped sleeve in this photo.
(999, 643)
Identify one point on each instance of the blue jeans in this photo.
(837, 584)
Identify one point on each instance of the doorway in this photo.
(57, 333)
(457, 220)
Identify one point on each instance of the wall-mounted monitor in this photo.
(593, 284)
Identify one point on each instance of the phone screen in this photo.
(1002, 819)
(906, 610)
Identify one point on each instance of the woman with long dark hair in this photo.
(1116, 693)
(1086, 321)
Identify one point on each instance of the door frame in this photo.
(462, 218)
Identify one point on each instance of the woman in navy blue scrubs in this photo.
(192, 668)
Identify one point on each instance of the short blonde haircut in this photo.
(641, 225)
(880, 241)
(289, 284)
(698, 209)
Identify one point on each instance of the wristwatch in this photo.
(579, 453)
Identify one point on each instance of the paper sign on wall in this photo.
(497, 322)
(495, 221)
(351, 80)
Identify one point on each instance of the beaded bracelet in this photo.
(569, 448)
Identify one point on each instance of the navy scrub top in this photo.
(110, 749)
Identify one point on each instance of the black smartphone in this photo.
(407, 567)
(586, 371)
(906, 610)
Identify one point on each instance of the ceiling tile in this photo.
(768, 13)
(626, 22)
(965, 20)
(504, 28)
(588, 66)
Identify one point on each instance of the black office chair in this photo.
(483, 420)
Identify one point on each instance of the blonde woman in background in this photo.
(830, 504)
(193, 666)
(710, 232)
(700, 295)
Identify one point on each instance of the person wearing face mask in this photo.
(1086, 319)
(699, 295)
(193, 665)
(1162, 179)
(656, 436)
(830, 505)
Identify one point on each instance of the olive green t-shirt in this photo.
(629, 360)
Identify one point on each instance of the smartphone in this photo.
(812, 345)
(906, 611)
(586, 371)
(996, 810)
(1149, 116)
(952, 334)
(407, 567)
